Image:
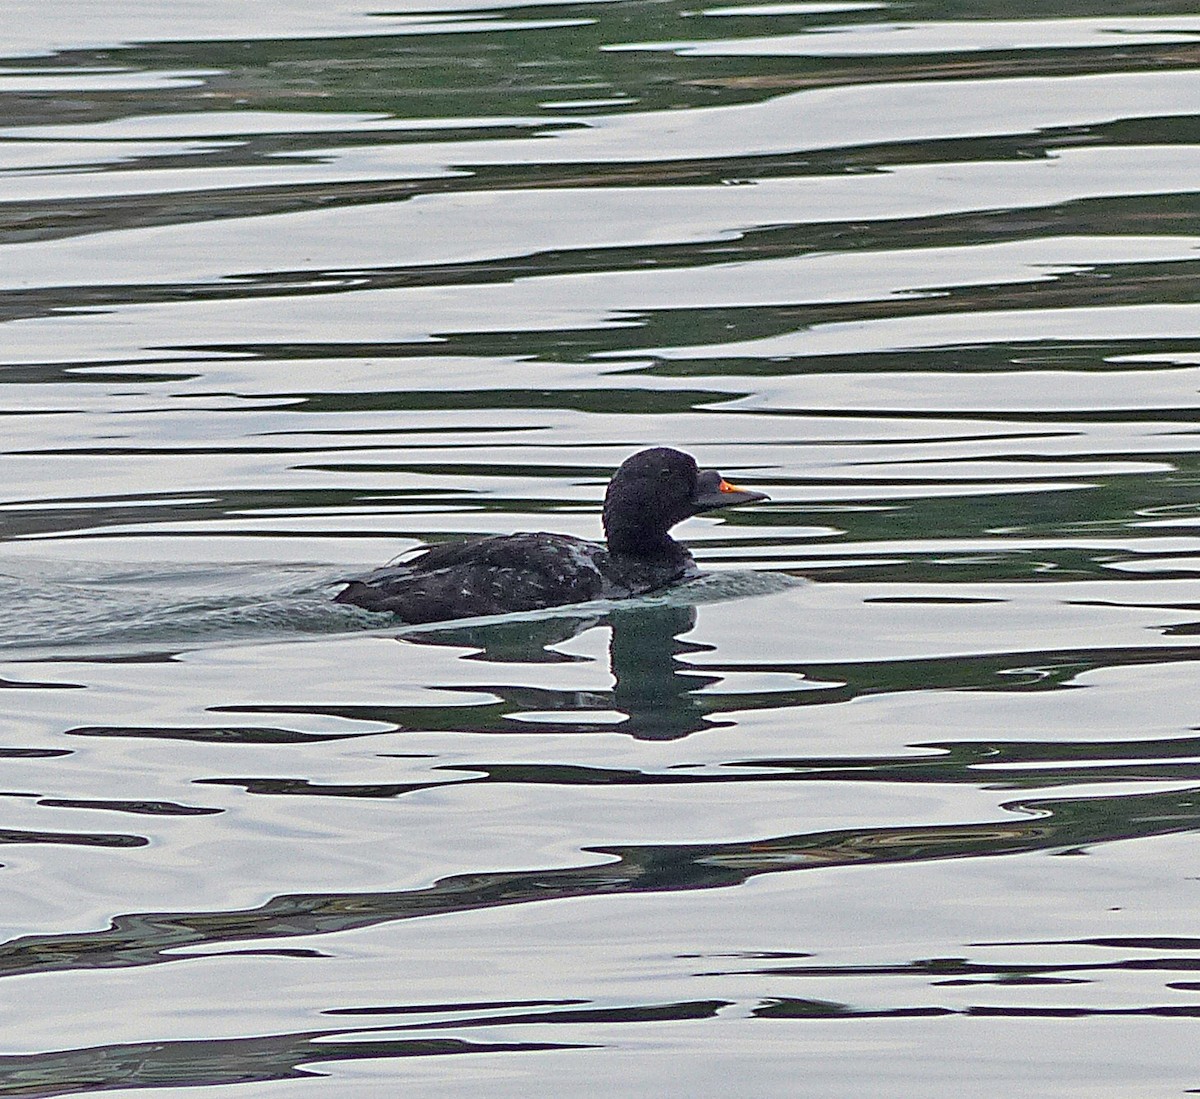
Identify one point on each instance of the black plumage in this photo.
(647, 496)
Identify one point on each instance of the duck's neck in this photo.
(641, 544)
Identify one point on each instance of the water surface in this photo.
(901, 799)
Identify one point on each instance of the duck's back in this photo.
(485, 576)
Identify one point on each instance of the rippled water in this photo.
(901, 800)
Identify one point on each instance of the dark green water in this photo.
(901, 800)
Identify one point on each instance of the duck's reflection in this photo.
(652, 684)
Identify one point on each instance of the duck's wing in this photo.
(424, 559)
(485, 576)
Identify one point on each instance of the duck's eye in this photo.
(664, 474)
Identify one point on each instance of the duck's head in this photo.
(654, 490)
